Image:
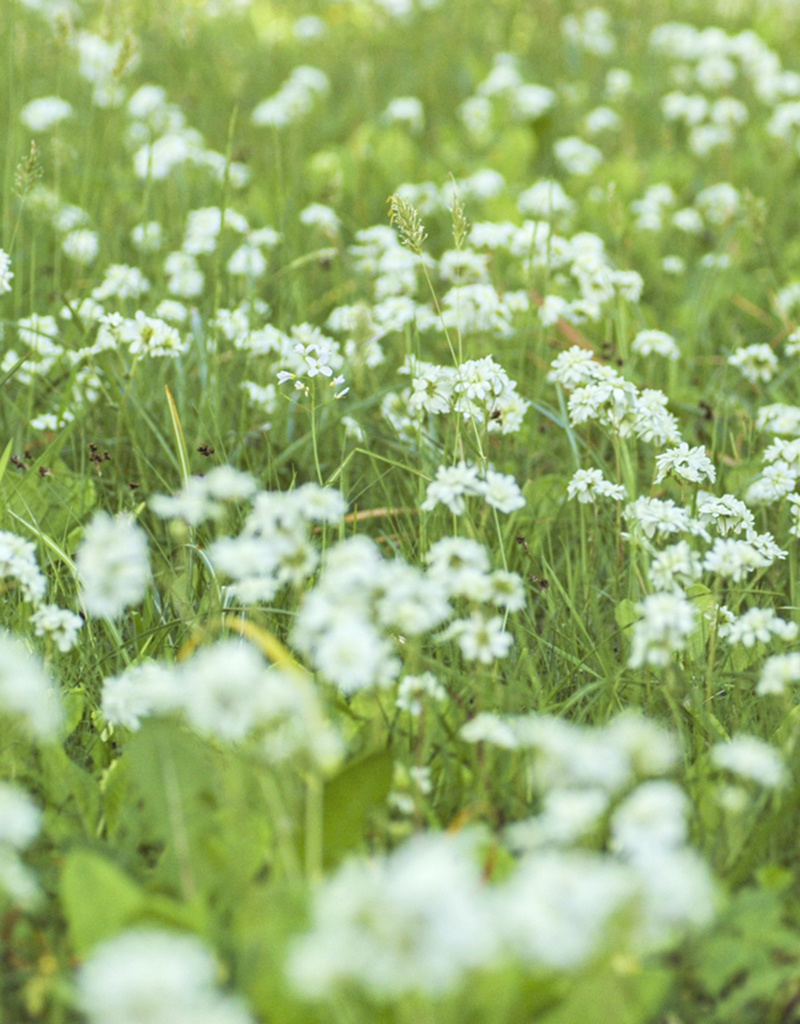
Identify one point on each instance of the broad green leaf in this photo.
(626, 614)
(348, 800)
(183, 799)
(97, 898)
(71, 790)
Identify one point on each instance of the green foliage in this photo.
(348, 799)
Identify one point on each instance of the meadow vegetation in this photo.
(400, 435)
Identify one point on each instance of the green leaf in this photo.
(170, 774)
(606, 994)
(626, 614)
(349, 799)
(72, 791)
(182, 801)
(98, 899)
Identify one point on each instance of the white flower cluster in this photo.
(26, 691)
(112, 565)
(205, 497)
(142, 335)
(599, 392)
(587, 485)
(479, 390)
(296, 98)
(666, 623)
(162, 141)
(151, 976)
(228, 692)
(273, 549)
(18, 562)
(421, 918)
(503, 95)
(597, 281)
(348, 624)
(454, 484)
(723, 525)
(6, 273)
(20, 821)
(779, 477)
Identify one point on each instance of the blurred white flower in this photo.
(149, 976)
(26, 690)
(42, 114)
(112, 565)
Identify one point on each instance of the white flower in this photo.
(61, 625)
(20, 818)
(570, 755)
(247, 261)
(655, 517)
(479, 638)
(415, 691)
(652, 422)
(777, 480)
(507, 590)
(42, 114)
(121, 282)
(726, 513)
(18, 561)
(734, 559)
(546, 198)
(112, 565)
(652, 750)
(567, 815)
(6, 273)
(20, 821)
(138, 692)
(487, 727)
(574, 368)
(755, 362)
(677, 893)
(26, 690)
(777, 672)
(354, 656)
(410, 602)
(415, 921)
(461, 564)
(528, 102)
(758, 624)
(653, 817)
(751, 758)
(502, 492)
(407, 110)
(653, 342)
(576, 156)
(687, 463)
(82, 246)
(675, 565)
(323, 217)
(451, 485)
(589, 484)
(664, 628)
(555, 909)
(149, 976)
(148, 237)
